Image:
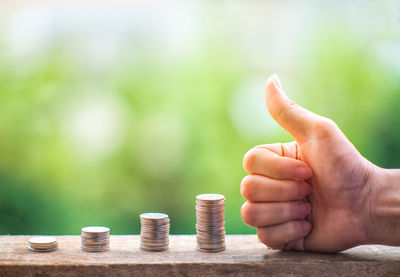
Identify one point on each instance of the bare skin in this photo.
(316, 193)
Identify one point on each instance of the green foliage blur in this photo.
(81, 147)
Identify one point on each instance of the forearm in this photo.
(384, 210)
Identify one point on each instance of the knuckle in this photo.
(290, 210)
(248, 214)
(264, 237)
(285, 192)
(293, 191)
(247, 187)
(298, 209)
(291, 104)
(279, 168)
(249, 160)
(324, 126)
(299, 188)
(279, 165)
(294, 228)
(282, 111)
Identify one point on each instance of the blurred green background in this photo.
(111, 110)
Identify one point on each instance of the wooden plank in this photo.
(244, 256)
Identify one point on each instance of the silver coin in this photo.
(42, 250)
(210, 197)
(95, 229)
(42, 240)
(154, 216)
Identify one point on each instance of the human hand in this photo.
(316, 193)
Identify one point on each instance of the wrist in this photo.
(383, 224)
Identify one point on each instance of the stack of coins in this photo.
(210, 222)
(42, 244)
(95, 239)
(154, 232)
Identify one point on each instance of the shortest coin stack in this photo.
(42, 244)
(95, 239)
(154, 232)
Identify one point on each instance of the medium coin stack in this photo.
(95, 239)
(154, 232)
(42, 244)
(210, 222)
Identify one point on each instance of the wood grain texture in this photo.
(244, 256)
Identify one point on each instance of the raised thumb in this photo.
(293, 118)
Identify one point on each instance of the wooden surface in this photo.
(244, 256)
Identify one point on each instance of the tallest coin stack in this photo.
(210, 222)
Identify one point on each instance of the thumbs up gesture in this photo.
(316, 193)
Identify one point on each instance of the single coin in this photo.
(95, 229)
(153, 216)
(41, 250)
(42, 240)
(210, 197)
